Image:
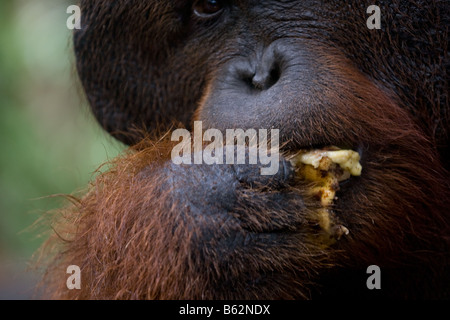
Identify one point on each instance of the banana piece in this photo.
(325, 169)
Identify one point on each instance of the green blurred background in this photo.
(49, 141)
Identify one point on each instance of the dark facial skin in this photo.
(158, 60)
(311, 69)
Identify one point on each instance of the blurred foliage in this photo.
(49, 141)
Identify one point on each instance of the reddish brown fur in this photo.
(120, 235)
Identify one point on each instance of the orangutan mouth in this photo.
(324, 169)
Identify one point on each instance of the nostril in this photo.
(266, 78)
(275, 74)
(248, 80)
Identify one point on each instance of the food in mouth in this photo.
(324, 169)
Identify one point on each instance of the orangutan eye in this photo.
(208, 8)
